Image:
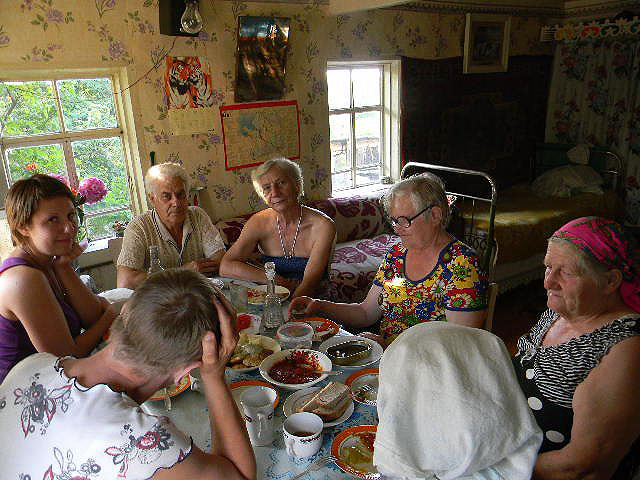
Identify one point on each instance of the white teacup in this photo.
(258, 404)
(303, 434)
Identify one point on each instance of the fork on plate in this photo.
(363, 389)
(316, 465)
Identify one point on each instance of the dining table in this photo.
(189, 412)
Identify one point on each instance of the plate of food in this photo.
(173, 390)
(332, 403)
(323, 328)
(250, 351)
(364, 386)
(238, 387)
(353, 449)
(295, 369)
(351, 351)
(256, 295)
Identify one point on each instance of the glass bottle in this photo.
(272, 316)
(154, 260)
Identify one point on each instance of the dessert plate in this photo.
(173, 390)
(346, 447)
(361, 379)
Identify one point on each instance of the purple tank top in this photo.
(14, 341)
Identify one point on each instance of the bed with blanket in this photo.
(524, 215)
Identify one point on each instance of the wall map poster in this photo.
(189, 93)
(257, 131)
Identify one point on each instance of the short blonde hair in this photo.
(425, 189)
(290, 169)
(23, 199)
(166, 170)
(162, 325)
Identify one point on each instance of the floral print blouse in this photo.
(53, 428)
(456, 283)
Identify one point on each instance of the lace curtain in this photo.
(595, 99)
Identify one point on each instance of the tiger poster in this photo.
(189, 93)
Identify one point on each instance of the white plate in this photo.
(254, 325)
(359, 379)
(266, 342)
(376, 349)
(256, 294)
(299, 398)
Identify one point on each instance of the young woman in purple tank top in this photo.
(44, 305)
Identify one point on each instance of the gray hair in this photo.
(586, 265)
(166, 170)
(290, 169)
(162, 325)
(425, 189)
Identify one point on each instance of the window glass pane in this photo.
(366, 87)
(368, 176)
(368, 135)
(338, 88)
(87, 103)
(100, 226)
(24, 162)
(29, 109)
(103, 158)
(340, 141)
(341, 181)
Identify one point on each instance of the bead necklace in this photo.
(295, 237)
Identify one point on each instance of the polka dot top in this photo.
(549, 375)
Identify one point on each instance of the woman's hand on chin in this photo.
(75, 252)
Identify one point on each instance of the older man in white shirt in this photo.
(184, 235)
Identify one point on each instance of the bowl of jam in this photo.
(295, 369)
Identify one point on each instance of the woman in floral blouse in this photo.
(429, 275)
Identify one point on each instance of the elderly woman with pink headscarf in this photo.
(579, 366)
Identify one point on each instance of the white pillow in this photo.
(568, 180)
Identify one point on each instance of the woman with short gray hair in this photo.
(297, 238)
(428, 276)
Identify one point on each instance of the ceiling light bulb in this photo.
(191, 20)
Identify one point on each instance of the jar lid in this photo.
(295, 331)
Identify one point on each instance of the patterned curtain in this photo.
(595, 99)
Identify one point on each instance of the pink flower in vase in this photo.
(93, 190)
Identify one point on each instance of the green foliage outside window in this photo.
(28, 110)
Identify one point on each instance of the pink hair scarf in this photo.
(605, 241)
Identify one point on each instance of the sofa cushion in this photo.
(354, 265)
(230, 228)
(343, 211)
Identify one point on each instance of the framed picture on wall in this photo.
(261, 58)
(486, 43)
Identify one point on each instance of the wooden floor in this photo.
(517, 311)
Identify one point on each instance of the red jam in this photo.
(291, 371)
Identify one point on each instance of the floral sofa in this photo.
(363, 237)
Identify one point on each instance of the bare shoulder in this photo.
(320, 219)
(22, 276)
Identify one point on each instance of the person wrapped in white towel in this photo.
(450, 407)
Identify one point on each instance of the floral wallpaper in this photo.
(52, 34)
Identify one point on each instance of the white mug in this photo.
(303, 434)
(258, 404)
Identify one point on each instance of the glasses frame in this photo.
(398, 222)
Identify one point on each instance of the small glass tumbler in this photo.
(239, 297)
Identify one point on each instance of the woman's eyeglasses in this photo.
(405, 222)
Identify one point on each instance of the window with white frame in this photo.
(363, 102)
(69, 125)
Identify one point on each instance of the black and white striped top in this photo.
(549, 376)
(557, 370)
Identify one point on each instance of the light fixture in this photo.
(191, 21)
